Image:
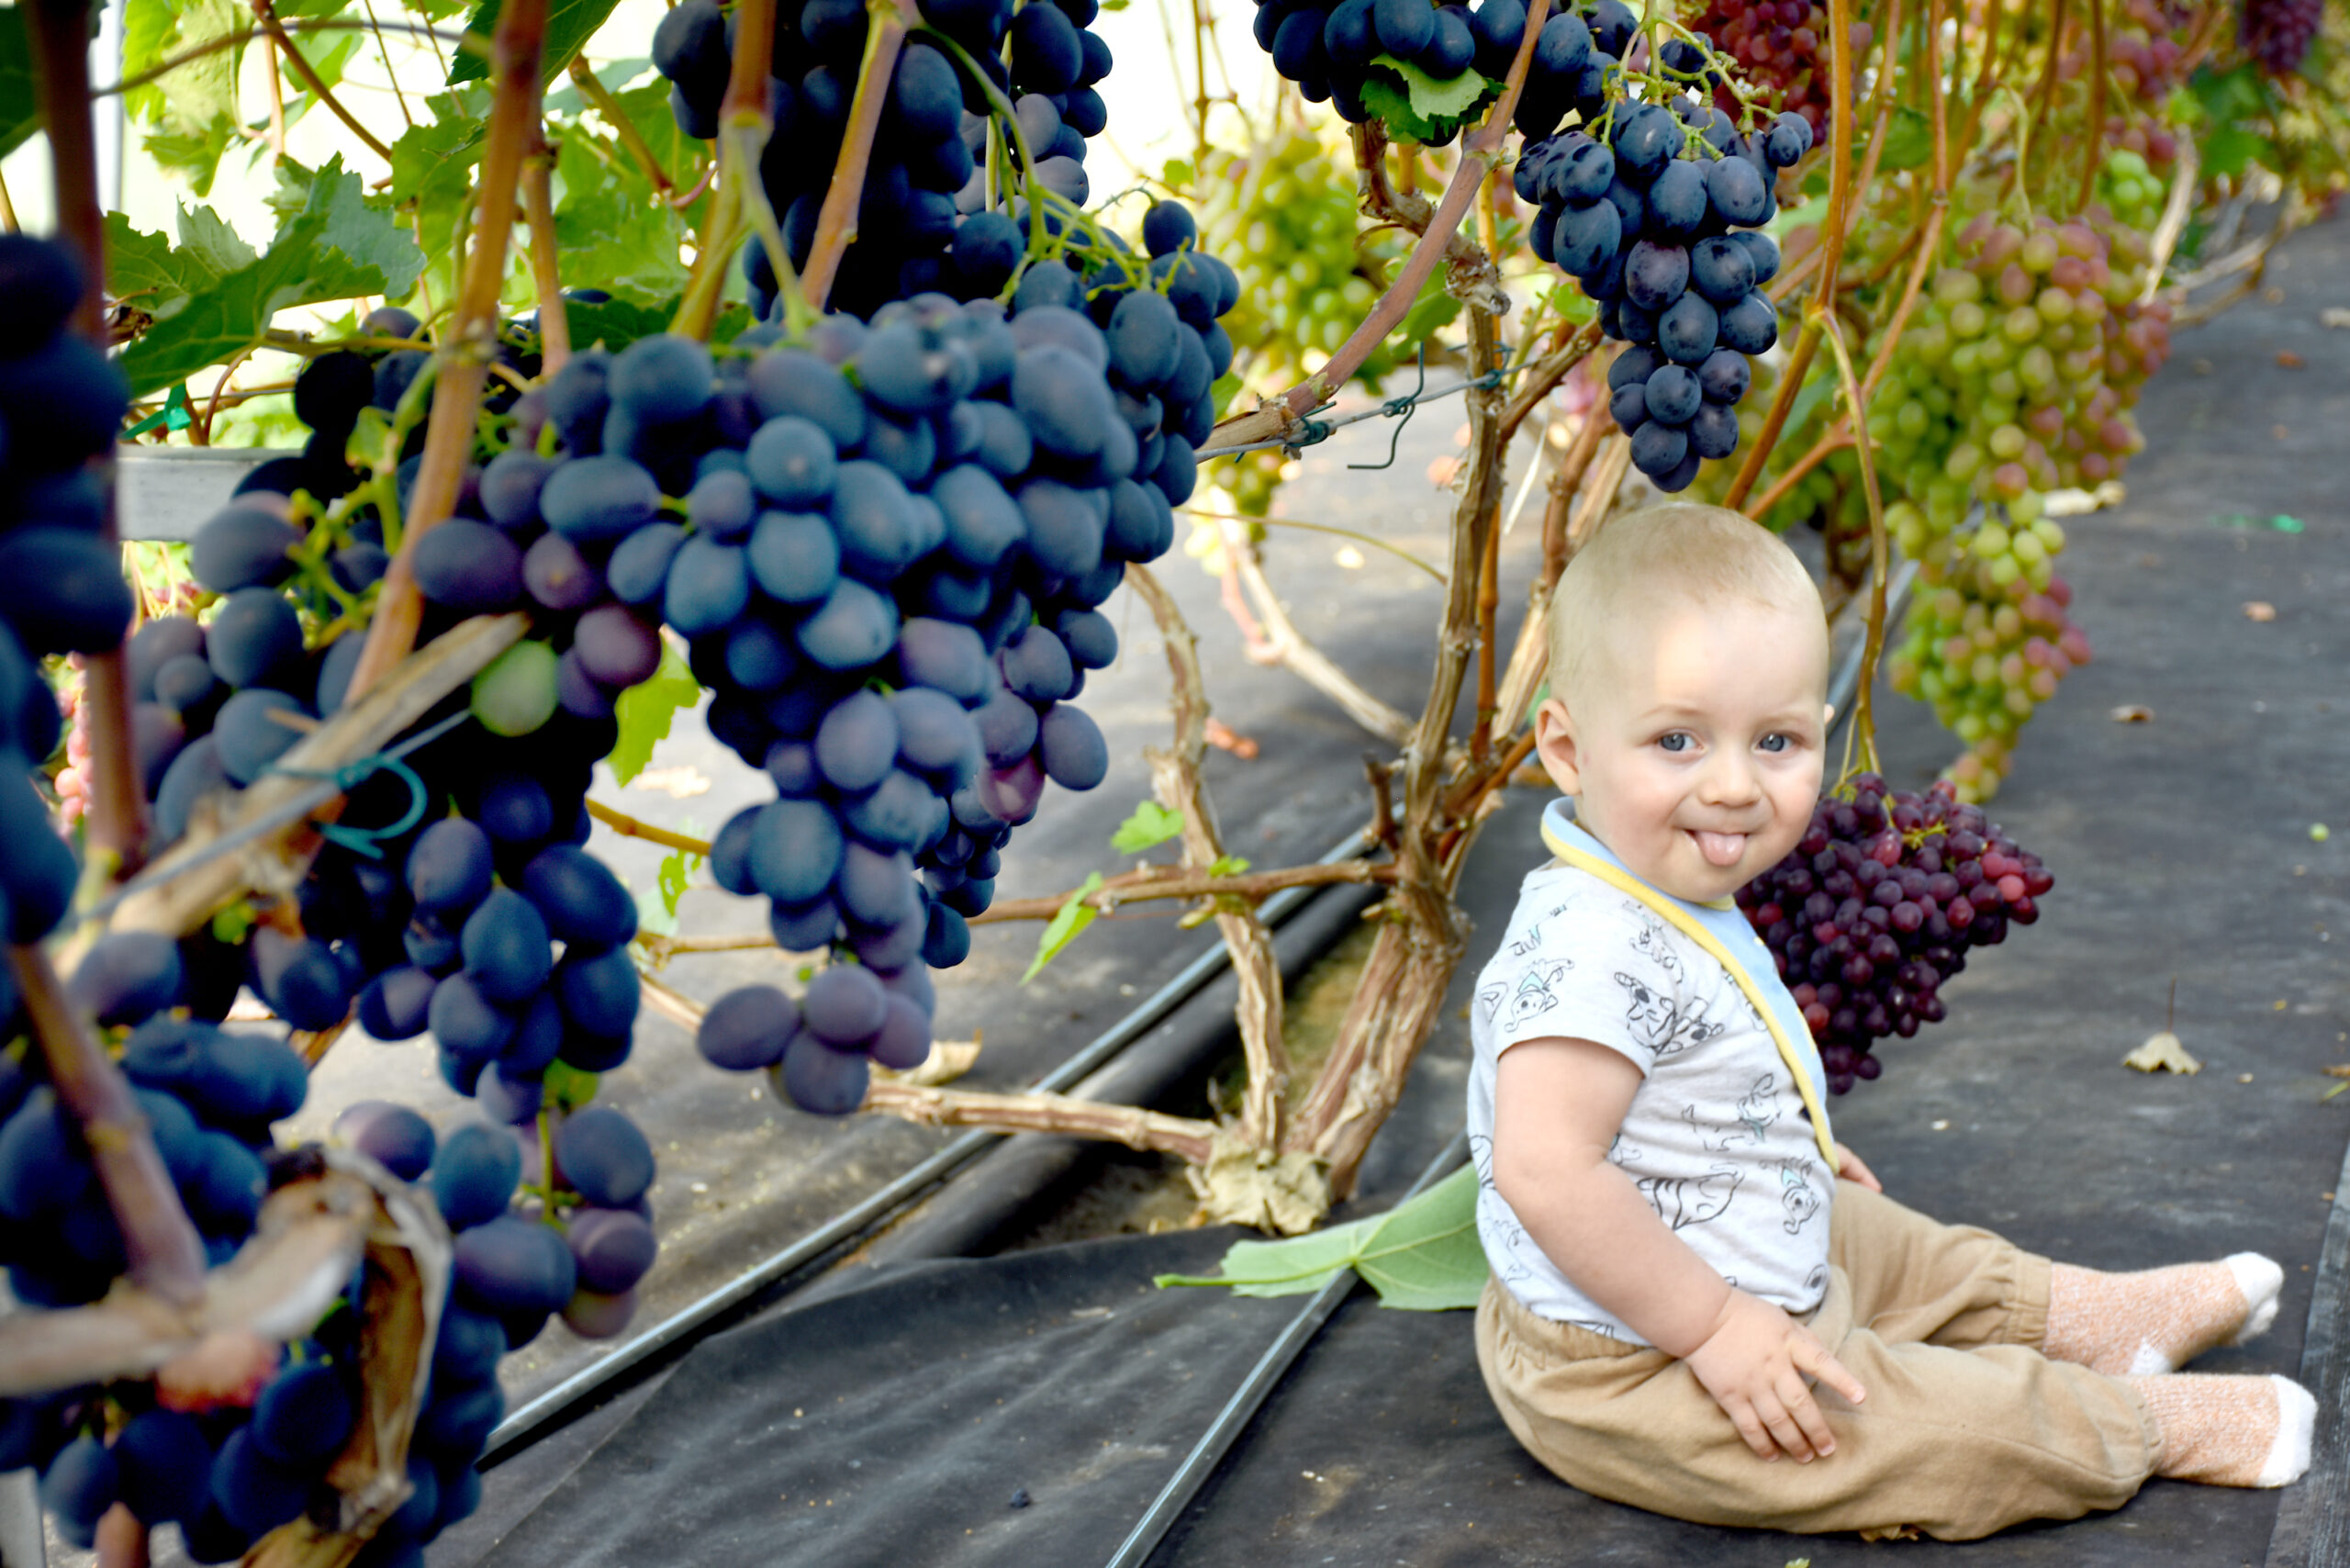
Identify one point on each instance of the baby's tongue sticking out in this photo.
(1720, 848)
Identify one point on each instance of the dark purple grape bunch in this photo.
(2277, 33)
(229, 1466)
(512, 969)
(1877, 906)
(209, 1096)
(898, 634)
(1333, 51)
(923, 184)
(1659, 221)
(61, 588)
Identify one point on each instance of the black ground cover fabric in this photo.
(928, 1399)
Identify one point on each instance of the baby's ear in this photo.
(1555, 744)
(1826, 715)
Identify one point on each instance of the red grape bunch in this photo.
(1876, 908)
(1778, 44)
(2277, 33)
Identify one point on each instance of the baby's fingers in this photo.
(1804, 1412)
(1797, 1438)
(1811, 1357)
(1749, 1425)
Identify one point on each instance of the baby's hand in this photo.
(1754, 1365)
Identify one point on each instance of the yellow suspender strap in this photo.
(1583, 860)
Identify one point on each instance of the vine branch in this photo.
(885, 36)
(1479, 156)
(266, 14)
(472, 338)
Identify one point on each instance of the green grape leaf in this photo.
(19, 108)
(1152, 824)
(1421, 1256)
(2230, 149)
(338, 247)
(612, 233)
(1419, 107)
(1908, 140)
(1228, 865)
(1072, 918)
(570, 24)
(193, 152)
(158, 276)
(1431, 313)
(618, 322)
(645, 709)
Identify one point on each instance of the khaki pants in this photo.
(1968, 1428)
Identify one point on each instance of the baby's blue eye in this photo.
(1775, 743)
(1677, 741)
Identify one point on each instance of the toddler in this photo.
(1679, 1250)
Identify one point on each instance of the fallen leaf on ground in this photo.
(678, 783)
(2259, 609)
(2162, 1053)
(2289, 358)
(1226, 738)
(2133, 713)
(2339, 1069)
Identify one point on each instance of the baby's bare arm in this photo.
(1557, 1106)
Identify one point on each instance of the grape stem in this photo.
(538, 210)
(238, 37)
(1479, 156)
(606, 105)
(267, 16)
(1175, 779)
(885, 35)
(471, 340)
(1863, 729)
(2097, 105)
(630, 827)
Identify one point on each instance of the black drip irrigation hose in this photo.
(681, 1331)
(697, 1321)
(1271, 1368)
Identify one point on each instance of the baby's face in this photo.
(1697, 755)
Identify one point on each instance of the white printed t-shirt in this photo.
(1716, 1137)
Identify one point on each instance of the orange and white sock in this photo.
(2146, 1324)
(2230, 1431)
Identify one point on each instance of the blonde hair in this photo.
(1675, 556)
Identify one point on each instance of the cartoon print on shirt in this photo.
(1658, 1022)
(1622, 1153)
(1684, 1201)
(1755, 1114)
(1797, 1192)
(1653, 944)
